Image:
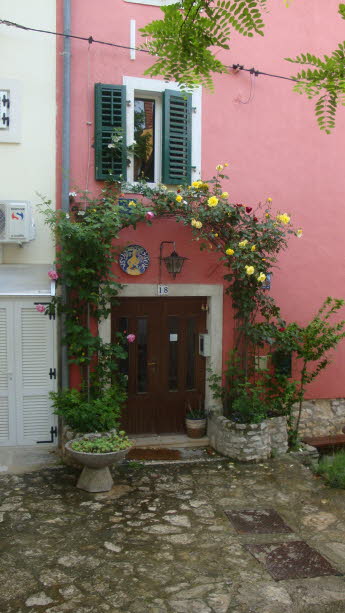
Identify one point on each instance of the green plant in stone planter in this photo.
(104, 444)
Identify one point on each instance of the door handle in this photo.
(152, 363)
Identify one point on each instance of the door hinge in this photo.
(52, 373)
(53, 432)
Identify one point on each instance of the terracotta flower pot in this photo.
(95, 476)
(196, 428)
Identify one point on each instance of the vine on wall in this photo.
(246, 240)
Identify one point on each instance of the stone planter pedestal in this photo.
(248, 442)
(95, 476)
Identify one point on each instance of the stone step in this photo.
(169, 440)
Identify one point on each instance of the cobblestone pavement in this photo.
(160, 540)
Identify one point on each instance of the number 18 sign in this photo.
(162, 290)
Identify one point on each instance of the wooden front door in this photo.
(165, 372)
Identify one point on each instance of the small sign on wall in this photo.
(162, 290)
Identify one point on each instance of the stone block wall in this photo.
(321, 417)
(248, 442)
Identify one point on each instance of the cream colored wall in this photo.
(28, 168)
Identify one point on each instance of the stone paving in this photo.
(160, 541)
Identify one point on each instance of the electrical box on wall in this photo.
(205, 345)
(16, 222)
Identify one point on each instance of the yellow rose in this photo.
(269, 199)
(213, 201)
(229, 251)
(178, 198)
(197, 184)
(253, 248)
(299, 233)
(196, 223)
(284, 218)
(216, 235)
(219, 167)
(226, 165)
(250, 270)
(224, 195)
(242, 244)
(261, 277)
(132, 203)
(267, 215)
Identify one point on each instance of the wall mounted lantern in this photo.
(173, 262)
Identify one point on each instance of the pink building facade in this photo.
(265, 132)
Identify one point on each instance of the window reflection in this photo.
(143, 149)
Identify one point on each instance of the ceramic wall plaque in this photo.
(134, 260)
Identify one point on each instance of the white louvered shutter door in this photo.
(7, 399)
(35, 334)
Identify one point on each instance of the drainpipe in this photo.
(66, 137)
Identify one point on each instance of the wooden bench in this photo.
(325, 444)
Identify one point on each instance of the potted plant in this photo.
(195, 422)
(96, 452)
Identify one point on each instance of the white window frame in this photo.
(137, 87)
(12, 134)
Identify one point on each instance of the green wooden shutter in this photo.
(177, 137)
(110, 113)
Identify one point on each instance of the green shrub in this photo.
(332, 469)
(248, 407)
(95, 415)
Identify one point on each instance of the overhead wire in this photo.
(90, 40)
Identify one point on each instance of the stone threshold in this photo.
(174, 441)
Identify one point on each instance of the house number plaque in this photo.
(163, 290)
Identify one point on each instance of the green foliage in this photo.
(196, 414)
(249, 407)
(85, 256)
(182, 40)
(104, 444)
(313, 343)
(224, 226)
(324, 81)
(332, 469)
(255, 396)
(226, 387)
(95, 415)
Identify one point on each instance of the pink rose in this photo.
(149, 215)
(40, 308)
(130, 338)
(53, 275)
